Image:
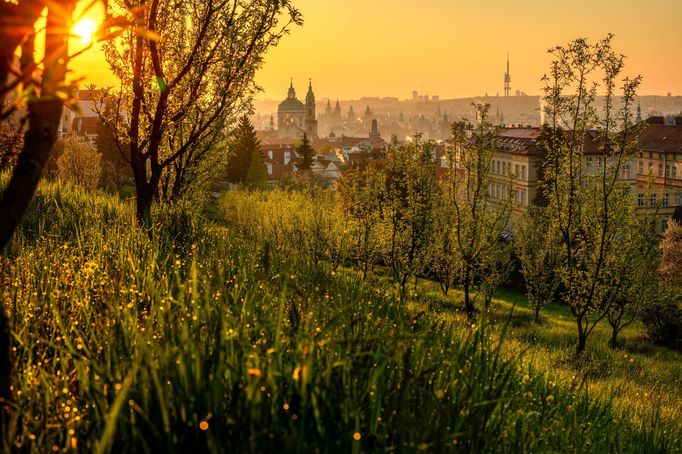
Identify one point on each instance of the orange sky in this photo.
(353, 48)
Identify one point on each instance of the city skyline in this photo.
(351, 50)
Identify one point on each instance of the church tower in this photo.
(507, 79)
(310, 118)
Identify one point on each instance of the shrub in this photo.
(80, 163)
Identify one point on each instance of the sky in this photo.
(455, 48)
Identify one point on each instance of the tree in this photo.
(537, 251)
(182, 84)
(479, 219)
(588, 207)
(409, 199)
(663, 314)
(17, 28)
(632, 277)
(80, 163)
(306, 155)
(361, 193)
(245, 144)
(257, 175)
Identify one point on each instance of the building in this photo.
(294, 118)
(654, 174)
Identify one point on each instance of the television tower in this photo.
(507, 80)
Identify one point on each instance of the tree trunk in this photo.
(145, 198)
(43, 120)
(537, 313)
(468, 306)
(613, 343)
(582, 339)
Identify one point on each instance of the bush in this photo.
(80, 163)
(663, 320)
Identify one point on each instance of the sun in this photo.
(84, 29)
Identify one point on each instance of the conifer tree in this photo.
(306, 154)
(256, 176)
(245, 145)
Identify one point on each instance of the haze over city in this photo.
(354, 48)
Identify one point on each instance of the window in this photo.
(640, 200)
(665, 200)
(498, 167)
(497, 190)
(269, 169)
(589, 161)
(641, 166)
(674, 169)
(516, 197)
(667, 170)
(626, 171)
(652, 200)
(287, 157)
(517, 171)
(270, 154)
(660, 169)
(523, 172)
(678, 199)
(599, 161)
(523, 198)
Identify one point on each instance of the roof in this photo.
(291, 104)
(664, 138)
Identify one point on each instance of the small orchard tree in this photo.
(183, 83)
(633, 276)
(306, 154)
(538, 255)
(410, 195)
(589, 208)
(479, 219)
(80, 163)
(361, 192)
(662, 314)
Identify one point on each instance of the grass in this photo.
(197, 338)
(636, 377)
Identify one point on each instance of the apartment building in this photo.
(654, 173)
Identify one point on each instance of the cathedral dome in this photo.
(291, 104)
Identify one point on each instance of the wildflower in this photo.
(525, 378)
(357, 436)
(254, 372)
(570, 409)
(439, 394)
(203, 425)
(550, 399)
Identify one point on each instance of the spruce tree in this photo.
(245, 144)
(257, 176)
(306, 154)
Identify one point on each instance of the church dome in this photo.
(291, 104)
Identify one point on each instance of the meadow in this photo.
(202, 336)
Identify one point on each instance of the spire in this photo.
(639, 112)
(292, 92)
(310, 97)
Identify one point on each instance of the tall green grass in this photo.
(196, 339)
